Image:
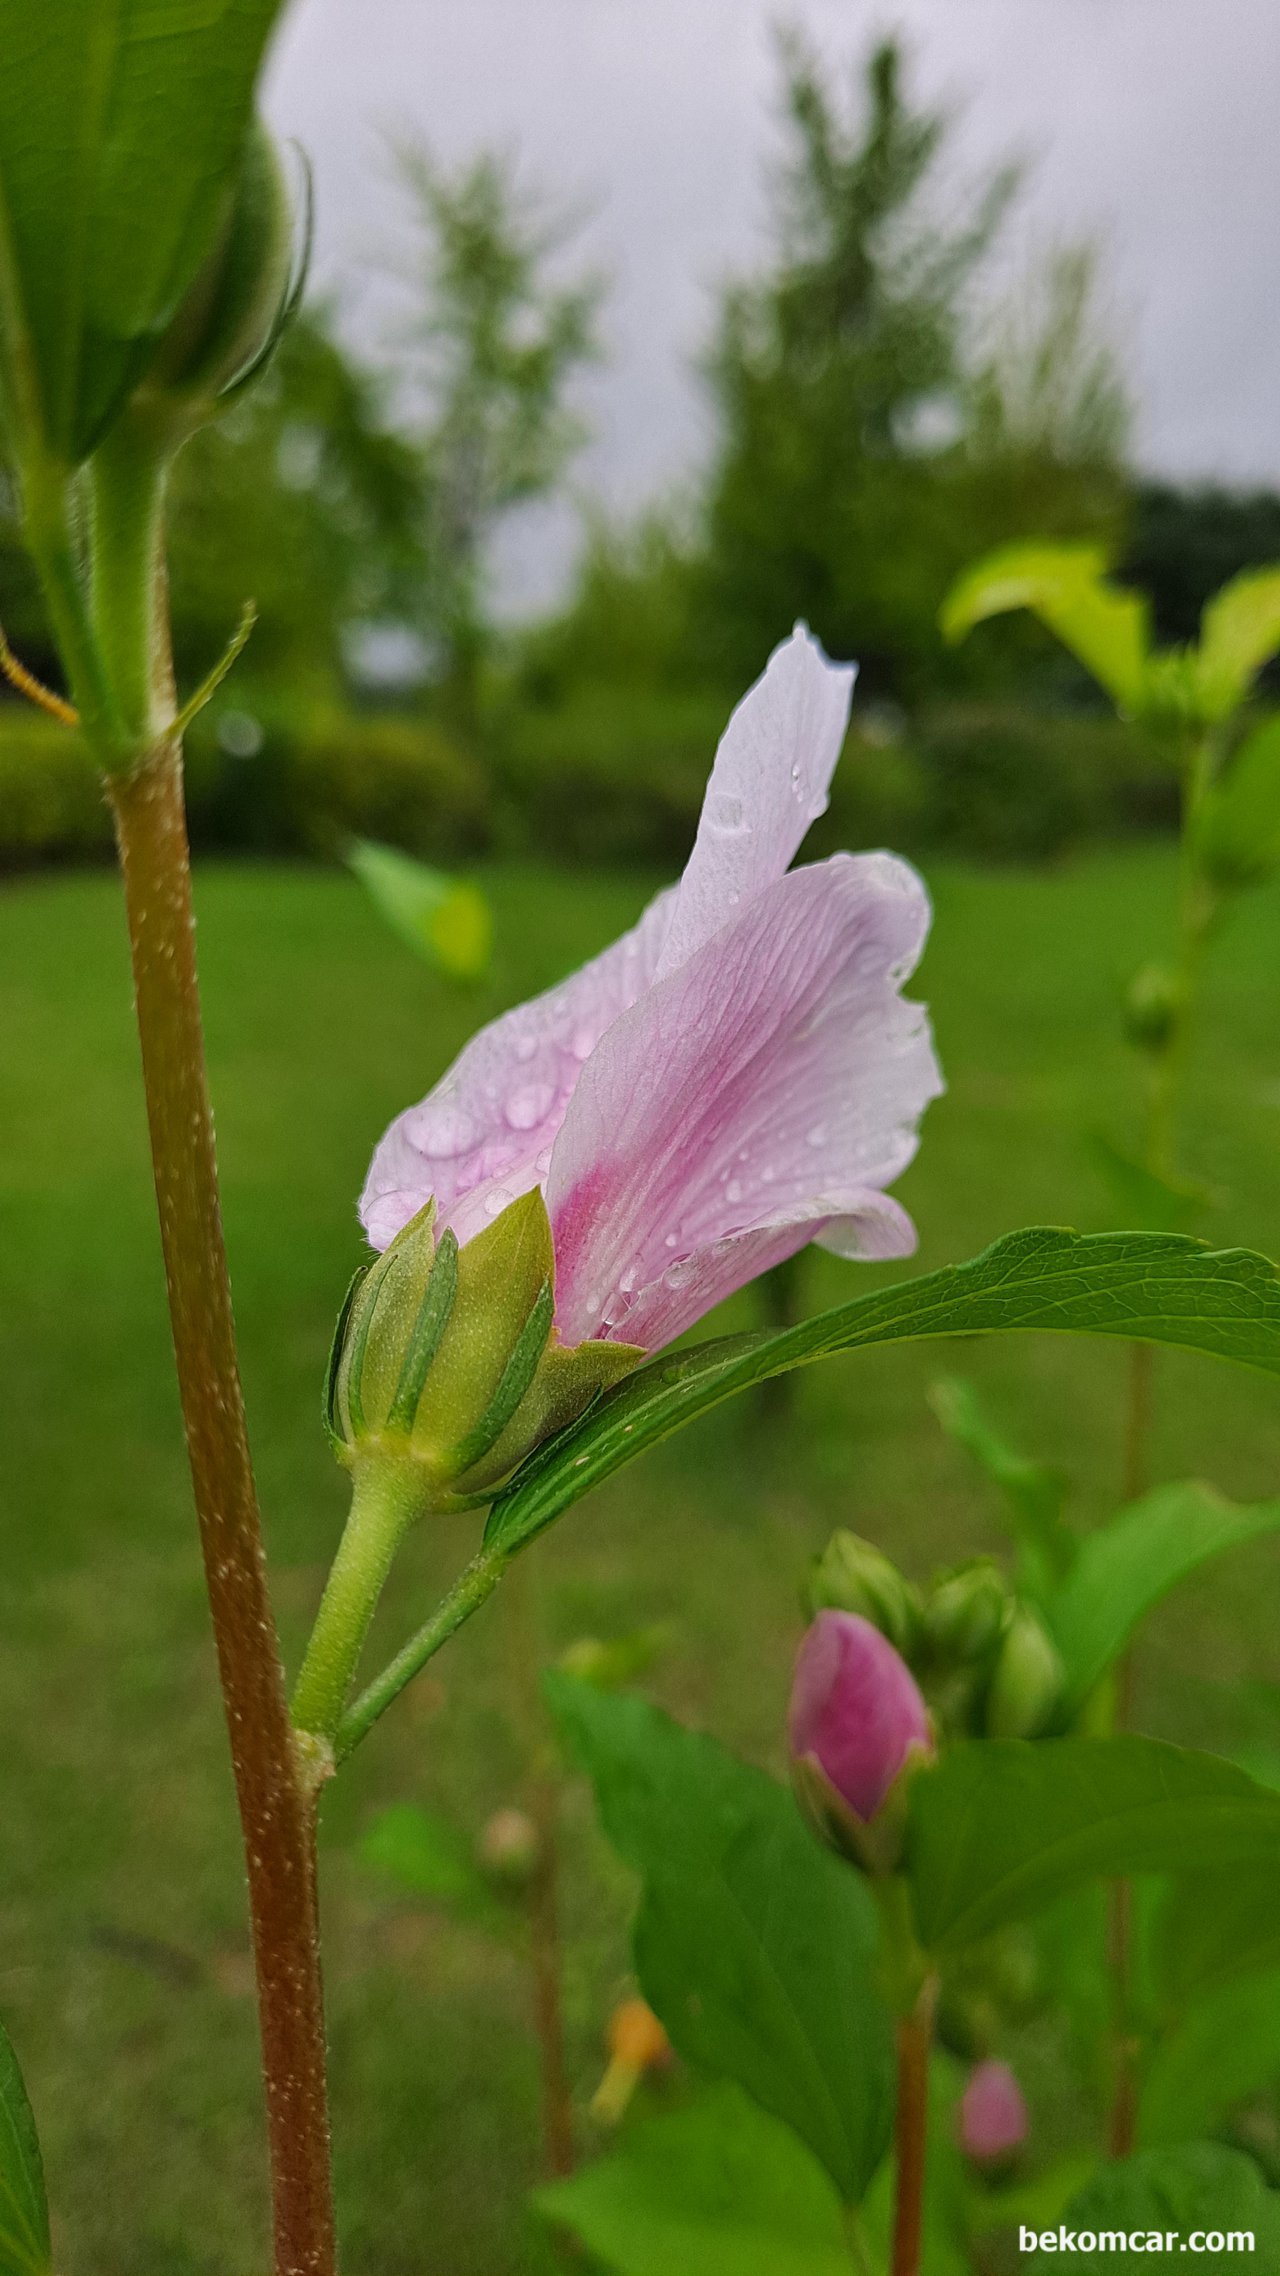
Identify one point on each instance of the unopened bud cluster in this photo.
(983, 1659)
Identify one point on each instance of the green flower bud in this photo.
(968, 1611)
(234, 311)
(1153, 1008)
(852, 1575)
(1027, 1681)
(446, 1359)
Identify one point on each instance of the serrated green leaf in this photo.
(1065, 586)
(1239, 631)
(1126, 1567)
(755, 1946)
(1199, 2187)
(1034, 1493)
(1139, 1286)
(1238, 828)
(1222, 2050)
(716, 2190)
(121, 125)
(24, 2213)
(441, 918)
(999, 1827)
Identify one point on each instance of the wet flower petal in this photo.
(483, 1136)
(760, 1094)
(856, 1711)
(770, 781)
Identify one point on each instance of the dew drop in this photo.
(527, 1107)
(733, 1190)
(526, 1045)
(817, 1136)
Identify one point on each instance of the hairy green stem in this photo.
(48, 502)
(127, 583)
(386, 1499)
(476, 1583)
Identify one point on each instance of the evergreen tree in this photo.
(838, 376)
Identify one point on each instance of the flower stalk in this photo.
(911, 2128)
(112, 631)
(385, 1501)
(277, 1810)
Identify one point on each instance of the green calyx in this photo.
(852, 1575)
(234, 311)
(446, 1359)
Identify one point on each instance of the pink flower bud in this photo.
(856, 1712)
(993, 2116)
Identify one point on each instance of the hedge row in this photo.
(609, 779)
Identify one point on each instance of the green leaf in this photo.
(1216, 1925)
(1239, 631)
(441, 918)
(1034, 1492)
(424, 1853)
(1138, 1286)
(24, 2213)
(1238, 830)
(1199, 2187)
(716, 2190)
(755, 1946)
(1146, 1202)
(1065, 586)
(1124, 1568)
(1000, 1826)
(121, 126)
(1224, 2049)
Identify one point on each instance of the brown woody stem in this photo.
(277, 1802)
(915, 2036)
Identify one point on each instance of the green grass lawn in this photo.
(124, 1971)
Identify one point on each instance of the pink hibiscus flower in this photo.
(736, 1076)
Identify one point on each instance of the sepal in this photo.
(874, 1845)
(448, 1358)
(852, 1575)
(234, 312)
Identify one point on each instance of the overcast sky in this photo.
(1152, 125)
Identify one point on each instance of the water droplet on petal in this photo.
(526, 1108)
(670, 1241)
(582, 1043)
(526, 1045)
(725, 817)
(733, 1190)
(817, 1136)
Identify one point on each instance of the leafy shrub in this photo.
(612, 776)
(609, 776)
(1011, 784)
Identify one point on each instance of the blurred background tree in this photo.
(485, 359)
(837, 376)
